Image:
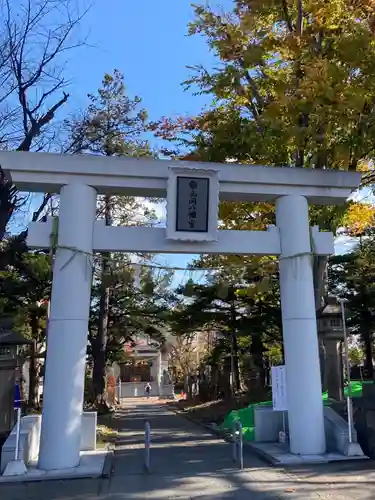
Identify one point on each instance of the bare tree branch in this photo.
(35, 36)
(35, 52)
(37, 125)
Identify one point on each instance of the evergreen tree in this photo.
(244, 311)
(25, 288)
(352, 276)
(133, 310)
(111, 126)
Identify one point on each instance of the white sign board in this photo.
(279, 397)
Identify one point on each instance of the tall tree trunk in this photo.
(320, 274)
(366, 327)
(257, 350)
(369, 367)
(186, 383)
(34, 363)
(235, 369)
(236, 363)
(214, 382)
(303, 118)
(100, 343)
(225, 389)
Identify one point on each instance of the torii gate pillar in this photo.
(67, 330)
(304, 391)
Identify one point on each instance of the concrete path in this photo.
(189, 463)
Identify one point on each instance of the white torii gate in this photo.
(79, 178)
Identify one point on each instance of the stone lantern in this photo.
(331, 335)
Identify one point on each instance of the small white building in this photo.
(146, 361)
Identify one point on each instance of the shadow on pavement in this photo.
(189, 463)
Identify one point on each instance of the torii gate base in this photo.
(79, 178)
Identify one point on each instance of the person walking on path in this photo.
(148, 390)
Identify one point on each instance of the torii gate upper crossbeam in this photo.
(48, 172)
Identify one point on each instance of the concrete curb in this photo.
(108, 466)
(26, 480)
(183, 414)
(227, 437)
(61, 476)
(259, 453)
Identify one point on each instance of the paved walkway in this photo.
(189, 463)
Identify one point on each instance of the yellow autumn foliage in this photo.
(295, 83)
(358, 218)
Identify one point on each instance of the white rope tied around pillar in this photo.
(75, 251)
(298, 256)
(311, 253)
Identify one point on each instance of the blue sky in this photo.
(148, 42)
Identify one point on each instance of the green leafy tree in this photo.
(294, 88)
(356, 355)
(133, 310)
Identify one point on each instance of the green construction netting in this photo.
(246, 415)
